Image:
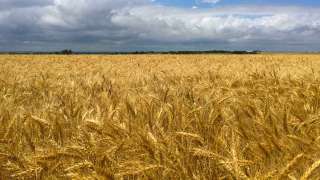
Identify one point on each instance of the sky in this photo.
(159, 25)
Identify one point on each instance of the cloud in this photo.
(9, 4)
(210, 1)
(140, 24)
(171, 24)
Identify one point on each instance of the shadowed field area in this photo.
(160, 117)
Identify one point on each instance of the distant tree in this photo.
(66, 51)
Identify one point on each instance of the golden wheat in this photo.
(160, 116)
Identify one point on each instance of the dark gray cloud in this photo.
(9, 4)
(141, 25)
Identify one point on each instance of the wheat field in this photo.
(160, 117)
